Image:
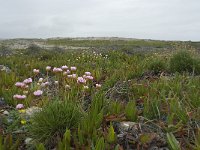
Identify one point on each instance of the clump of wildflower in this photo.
(74, 76)
(46, 83)
(68, 71)
(48, 68)
(19, 84)
(81, 80)
(17, 96)
(98, 85)
(89, 77)
(64, 67)
(27, 81)
(73, 68)
(69, 76)
(40, 80)
(38, 93)
(57, 70)
(36, 71)
(19, 106)
(88, 73)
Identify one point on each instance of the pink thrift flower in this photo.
(98, 85)
(64, 67)
(19, 96)
(19, 106)
(73, 68)
(36, 71)
(46, 83)
(27, 81)
(38, 93)
(89, 77)
(88, 73)
(19, 84)
(84, 76)
(69, 76)
(40, 80)
(48, 68)
(57, 70)
(74, 76)
(81, 80)
(68, 71)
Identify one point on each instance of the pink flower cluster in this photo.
(48, 68)
(27, 81)
(20, 84)
(88, 77)
(19, 96)
(24, 83)
(73, 68)
(36, 71)
(19, 106)
(64, 67)
(44, 84)
(66, 72)
(57, 70)
(88, 73)
(81, 80)
(38, 93)
(73, 76)
(98, 85)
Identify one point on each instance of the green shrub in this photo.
(51, 123)
(182, 62)
(131, 111)
(157, 66)
(197, 66)
(33, 49)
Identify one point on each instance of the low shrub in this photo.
(157, 66)
(50, 124)
(182, 62)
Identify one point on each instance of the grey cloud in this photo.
(155, 19)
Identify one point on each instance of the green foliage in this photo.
(115, 108)
(40, 147)
(100, 144)
(173, 143)
(111, 137)
(7, 143)
(182, 62)
(33, 49)
(173, 100)
(131, 111)
(53, 120)
(197, 140)
(157, 66)
(64, 144)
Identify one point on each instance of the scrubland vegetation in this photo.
(96, 99)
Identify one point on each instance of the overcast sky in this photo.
(146, 19)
